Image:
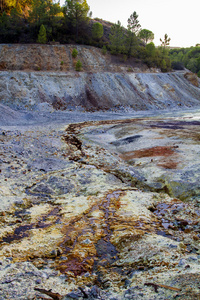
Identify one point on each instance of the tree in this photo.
(78, 66)
(74, 53)
(97, 31)
(77, 14)
(21, 6)
(117, 38)
(133, 23)
(146, 35)
(165, 42)
(151, 49)
(131, 43)
(192, 65)
(38, 15)
(42, 37)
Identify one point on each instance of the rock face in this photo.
(95, 91)
(59, 58)
(103, 83)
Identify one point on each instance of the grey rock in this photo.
(72, 295)
(194, 258)
(95, 291)
(182, 262)
(38, 281)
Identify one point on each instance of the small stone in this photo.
(94, 291)
(192, 258)
(87, 241)
(56, 252)
(195, 238)
(182, 245)
(187, 267)
(19, 221)
(182, 262)
(127, 283)
(72, 295)
(45, 276)
(38, 281)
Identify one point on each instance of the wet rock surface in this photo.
(106, 209)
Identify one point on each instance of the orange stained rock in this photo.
(149, 152)
(168, 164)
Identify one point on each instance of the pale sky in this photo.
(180, 19)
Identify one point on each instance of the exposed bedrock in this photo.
(92, 91)
(42, 76)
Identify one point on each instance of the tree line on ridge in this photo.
(45, 21)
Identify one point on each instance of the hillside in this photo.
(35, 74)
(36, 57)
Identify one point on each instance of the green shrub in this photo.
(74, 53)
(62, 62)
(125, 57)
(42, 36)
(78, 65)
(177, 65)
(104, 50)
(97, 31)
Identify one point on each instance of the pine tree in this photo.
(117, 38)
(42, 36)
(78, 65)
(133, 23)
(77, 15)
(166, 41)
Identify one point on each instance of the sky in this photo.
(179, 19)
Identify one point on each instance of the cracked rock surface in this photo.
(106, 209)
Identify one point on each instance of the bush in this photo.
(97, 31)
(104, 50)
(78, 65)
(177, 65)
(74, 53)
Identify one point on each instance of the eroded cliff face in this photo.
(102, 84)
(94, 91)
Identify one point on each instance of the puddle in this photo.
(126, 141)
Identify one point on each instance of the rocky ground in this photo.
(108, 208)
